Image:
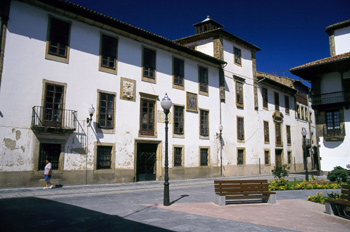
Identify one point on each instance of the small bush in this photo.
(321, 199)
(280, 172)
(338, 174)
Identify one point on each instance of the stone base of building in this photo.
(27, 179)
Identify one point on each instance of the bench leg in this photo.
(329, 208)
(220, 200)
(269, 198)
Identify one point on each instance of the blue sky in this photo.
(289, 32)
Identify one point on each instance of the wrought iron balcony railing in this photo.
(53, 120)
(331, 98)
(336, 134)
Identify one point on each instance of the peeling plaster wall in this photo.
(15, 150)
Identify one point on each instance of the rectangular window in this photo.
(204, 123)
(58, 40)
(289, 136)
(149, 63)
(265, 98)
(278, 131)
(204, 156)
(179, 72)
(240, 156)
(333, 120)
(178, 120)
(277, 101)
(240, 129)
(104, 155)
(147, 117)
(302, 113)
(286, 103)
(239, 94)
(108, 53)
(53, 105)
(203, 80)
(49, 151)
(237, 56)
(106, 111)
(289, 153)
(266, 132)
(267, 157)
(177, 156)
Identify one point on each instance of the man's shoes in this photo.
(51, 187)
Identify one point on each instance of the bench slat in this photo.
(241, 189)
(239, 181)
(245, 193)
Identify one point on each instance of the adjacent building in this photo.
(58, 60)
(330, 79)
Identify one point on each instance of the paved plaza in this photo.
(139, 207)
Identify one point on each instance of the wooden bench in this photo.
(340, 207)
(243, 191)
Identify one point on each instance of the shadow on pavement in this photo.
(35, 214)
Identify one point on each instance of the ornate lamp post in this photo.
(220, 129)
(304, 133)
(166, 105)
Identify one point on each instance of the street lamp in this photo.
(166, 105)
(91, 111)
(220, 129)
(304, 133)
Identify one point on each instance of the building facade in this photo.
(58, 60)
(330, 79)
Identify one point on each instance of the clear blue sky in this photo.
(289, 32)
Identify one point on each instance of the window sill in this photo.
(107, 70)
(57, 58)
(148, 79)
(178, 136)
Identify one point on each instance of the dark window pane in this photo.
(240, 128)
(147, 117)
(149, 62)
(178, 120)
(240, 156)
(106, 111)
(58, 37)
(267, 157)
(177, 156)
(204, 156)
(109, 51)
(104, 155)
(203, 79)
(204, 123)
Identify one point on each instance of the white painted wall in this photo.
(336, 153)
(27, 31)
(342, 40)
(331, 82)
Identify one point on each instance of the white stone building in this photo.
(58, 59)
(330, 79)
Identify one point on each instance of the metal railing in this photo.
(331, 98)
(43, 117)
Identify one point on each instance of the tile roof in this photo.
(328, 60)
(214, 32)
(282, 81)
(81, 11)
(330, 29)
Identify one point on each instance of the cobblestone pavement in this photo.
(138, 207)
